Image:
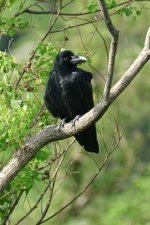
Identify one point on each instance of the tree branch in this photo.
(46, 12)
(53, 133)
(133, 70)
(49, 183)
(82, 191)
(113, 49)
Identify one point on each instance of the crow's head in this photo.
(66, 60)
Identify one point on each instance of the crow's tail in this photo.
(88, 139)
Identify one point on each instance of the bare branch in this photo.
(147, 41)
(84, 189)
(136, 66)
(46, 12)
(111, 63)
(76, 25)
(100, 168)
(49, 201)
(49, 183)
(107, 19)
(53, 180)
(113, 49)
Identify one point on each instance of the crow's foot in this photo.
(74, 120)
(62, 123)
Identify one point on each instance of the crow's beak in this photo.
(76, 59)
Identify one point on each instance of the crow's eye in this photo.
(66, 58)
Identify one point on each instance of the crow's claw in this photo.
(62, 123)
(75, 119)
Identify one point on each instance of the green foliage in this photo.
(92, 7)
(111, 3)
(130, 11)
(9, 26)
(25, 180)
(5, 203)
(42, 155)
(30, 174)
(44, 58)
(8, 3)
(18, 107)
(127, 10)
(16, 114)
(7, 63)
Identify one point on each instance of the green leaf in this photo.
(110, 3)
(43, 154)
(92, 7)
(138, 12)
(128, 11)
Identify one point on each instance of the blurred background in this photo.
(120, 193)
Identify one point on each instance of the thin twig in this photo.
(61, 30)
(12, 208)
(97, 72)
(74, 26)
(103, 39)
(53, 179)
(42, 40)
(86, 187)
(34, 52)
(55, 158)
(48, 203)
(37, 117)
(47, 187)
(51, 11)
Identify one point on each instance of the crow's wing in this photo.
(77, 93)
(53, 96)
(78, 99)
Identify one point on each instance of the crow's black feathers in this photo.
(69, 93)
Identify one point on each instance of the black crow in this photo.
(69, 94)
